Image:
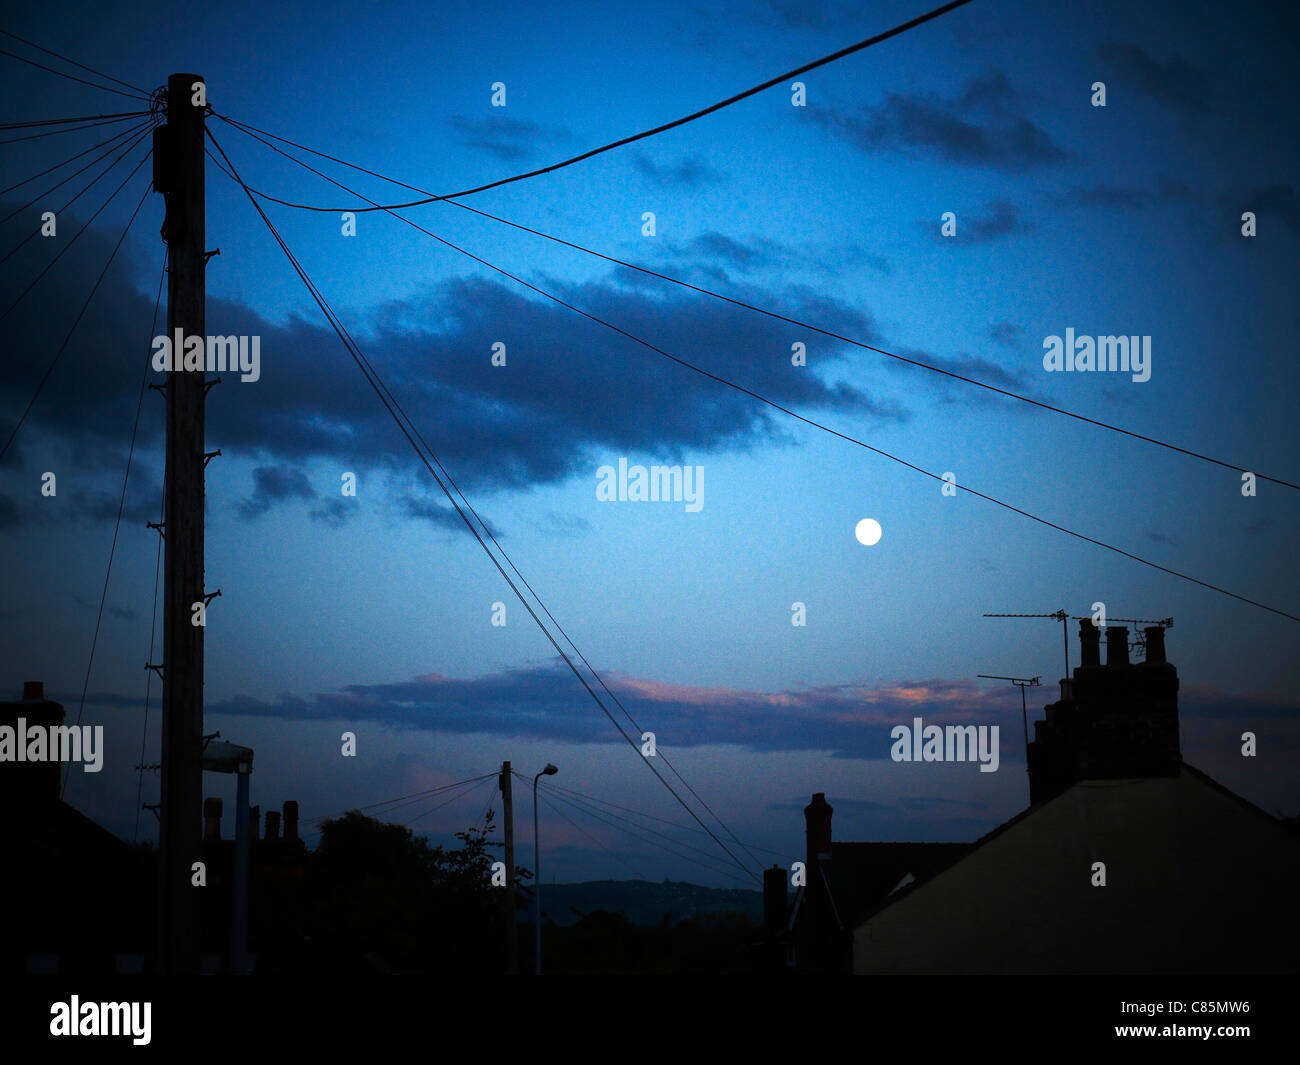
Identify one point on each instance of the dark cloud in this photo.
(508, 139)
(949, 391)
(540, 701)
(566, 525)
(442, 515)
(1105, 196)
(1000, 219)
(121, 612)
(709, 257)
(991, 91)
(1177, 83)
(1005, 333)
(275, 484)
(1169, 190)
(570, 389)
(809, 14)
(333, 513)
(979, 127)
(1259, 525)
(743, 256)
(1175, 189)
(1276, 201)
(689, 173)
(974, 367)
(846, 721)
(142, 505)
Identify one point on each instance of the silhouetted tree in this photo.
(383, 897)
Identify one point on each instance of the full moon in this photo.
(868, 532)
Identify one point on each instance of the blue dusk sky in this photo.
(374, 613)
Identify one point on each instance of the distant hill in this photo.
(645, 903)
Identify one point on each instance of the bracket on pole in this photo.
(160, 526)
(209, 254)
(209, 596)
(208, 456)
(157, 667)
(208, 385)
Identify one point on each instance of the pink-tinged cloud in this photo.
(848, 721)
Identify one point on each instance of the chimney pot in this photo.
(33, 689)
(272, 824)
(1117, 645)
(212, 818)
(1089, 643)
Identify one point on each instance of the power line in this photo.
(555, 807)
(157, 568)
(121, 505)
(66, 129)
(643, 828)
(877, 39)
(800, 417)
(86, 225)
(477, 787)
(718, 870)
(402, 798)
(85, 151)
(652, 817)
(79, 66)
(148, 684)
(67, 121)
(600, 680)
(119, 137)
(393, 407)
(252, 131)
(72, 77)
(59, 354)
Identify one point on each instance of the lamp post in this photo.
(550, 770)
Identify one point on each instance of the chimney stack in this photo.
(774, 900)
(817, 818)
(1116, 645)
(29, 785)
(1115, 723)
(1155, 635)
(1089, 643)
(291, 820)
(212, 818)
(272, 824)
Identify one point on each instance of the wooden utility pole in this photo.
(508, 805)
(179, 176)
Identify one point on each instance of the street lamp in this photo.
(549, 771)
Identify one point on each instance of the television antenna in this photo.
(1022, 683)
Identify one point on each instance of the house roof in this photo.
(861, 876)
(1023, 897)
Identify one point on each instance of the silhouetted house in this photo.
(277, 864)
(81, 901)
(845, 882)
(1128, 860)
(76, 898)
